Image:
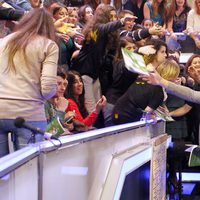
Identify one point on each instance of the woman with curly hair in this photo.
(90, 58)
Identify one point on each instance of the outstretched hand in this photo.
(127, 20)
(62, 26)
(156, 29)
(60, 22)
(100, 104)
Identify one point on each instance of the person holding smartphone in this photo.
(76, 98)
(56, 106)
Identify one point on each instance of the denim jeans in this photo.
(107, 114)
(20, 136)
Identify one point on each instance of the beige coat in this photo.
(23, 93)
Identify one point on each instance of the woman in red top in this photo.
(75, 95)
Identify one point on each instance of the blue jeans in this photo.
(107, 114)
(20, 136)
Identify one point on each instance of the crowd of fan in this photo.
(93, 84)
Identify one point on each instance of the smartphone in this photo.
(70, 120)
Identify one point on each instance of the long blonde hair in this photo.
(37, 22)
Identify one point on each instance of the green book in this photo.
(134, 62)
(55, 127)
(194, 159)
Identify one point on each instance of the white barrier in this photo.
(81, 168)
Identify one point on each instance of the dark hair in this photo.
(157, 43)
(62, 72)
(71, 76)
(55, 8)
(122, 43)
(101, 16)
(123, 12)
(144, 20)
(170, 52)
(174, 51)
(81, 13)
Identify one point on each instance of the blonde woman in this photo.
(181, 91)
(143, 97)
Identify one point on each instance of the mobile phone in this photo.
(70, 120)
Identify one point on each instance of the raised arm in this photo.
(109, 27)
(172, 88)
(112, 26)
(184, 92)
